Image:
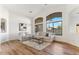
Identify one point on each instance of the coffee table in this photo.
(38, 40)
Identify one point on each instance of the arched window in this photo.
(39, 24)
(38, 20)
(54, 23)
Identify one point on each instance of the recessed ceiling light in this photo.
(77, 13)
(30, 11)
(45, 4)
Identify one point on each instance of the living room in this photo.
(36, 24)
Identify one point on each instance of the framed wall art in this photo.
(77, 28)
(3, 25)
(22, 27)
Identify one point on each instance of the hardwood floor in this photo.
(62, 48)
(17, 48)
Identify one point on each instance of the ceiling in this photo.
(29, 10)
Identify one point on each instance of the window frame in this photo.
(52, 21)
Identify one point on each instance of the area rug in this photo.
(36, 45)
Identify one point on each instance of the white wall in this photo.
(12, 24)
(14, 21)
(73, 20)
(73, 35)
(4, 14)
